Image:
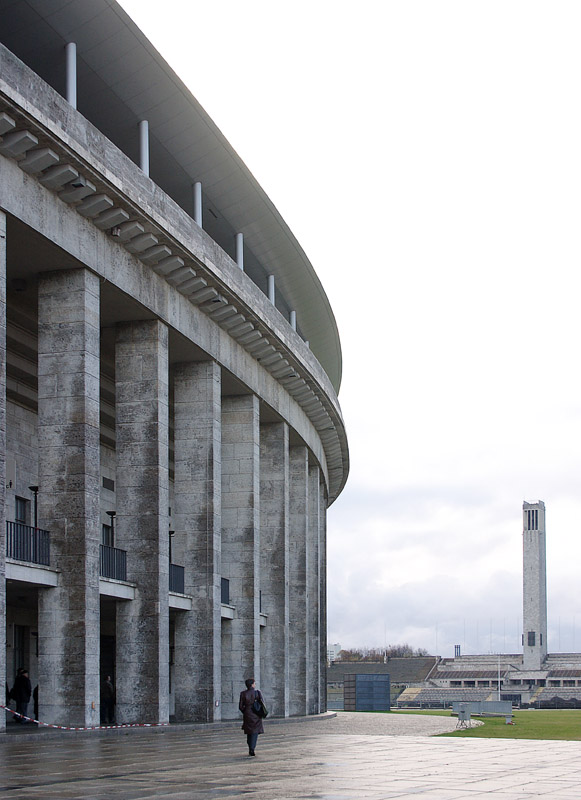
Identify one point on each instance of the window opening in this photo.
(21, 510)
(107, 535)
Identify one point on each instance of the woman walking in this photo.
(252, 725)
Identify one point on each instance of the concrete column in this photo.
(323, 600)
(198, 203)
(142, 521)
(271, 289)
(68, 500)
(2, 457)
(534, 586)
(313, 593)
(197, 540)
(274, 565)
(298, 519)
(293, 320)
(71, 73)
(144, 145)
(240, 546)
(240, 250)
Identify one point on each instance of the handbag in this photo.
(258, 706)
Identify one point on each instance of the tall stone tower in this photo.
(534, 586)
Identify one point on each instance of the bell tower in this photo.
(534, 586)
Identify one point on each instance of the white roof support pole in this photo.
(240, 250)
(198, 203)
(271, 295)
(144, 145)
(293, 320)
(71, 73)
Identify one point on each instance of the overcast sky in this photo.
(427, 156)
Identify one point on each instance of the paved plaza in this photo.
(350, 757)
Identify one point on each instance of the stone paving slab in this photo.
(351, 757)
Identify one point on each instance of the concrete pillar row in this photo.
(68, 500)
(274, 565)
(298, 524)
(313, 592)
(240, 546)
(142, 521)
(2, 456)
(197, 540)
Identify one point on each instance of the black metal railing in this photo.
(112, 563)
(225, 591)
(176, 578)
(25, 543)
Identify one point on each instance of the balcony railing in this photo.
(176, 579)
(113, 563)
(25, 543)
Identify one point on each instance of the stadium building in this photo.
(171, 436)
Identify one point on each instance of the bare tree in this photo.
(381, 654)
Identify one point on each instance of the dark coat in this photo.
(252, 722)
(22, 689)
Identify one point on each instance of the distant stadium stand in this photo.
(439, 698)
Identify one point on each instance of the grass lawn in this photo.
(538, 724)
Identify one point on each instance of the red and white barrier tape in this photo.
(94, 728)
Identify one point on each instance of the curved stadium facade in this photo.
(171, 436)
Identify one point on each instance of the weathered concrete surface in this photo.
(69, 475)
(313, 590)
(197, 540)
(141, 383)
(274, 565)
(298, 521)
(240, 546)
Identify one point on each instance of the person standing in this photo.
(21, 692)
(252, 724)
(107, 701)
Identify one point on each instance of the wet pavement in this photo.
(350, 757)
